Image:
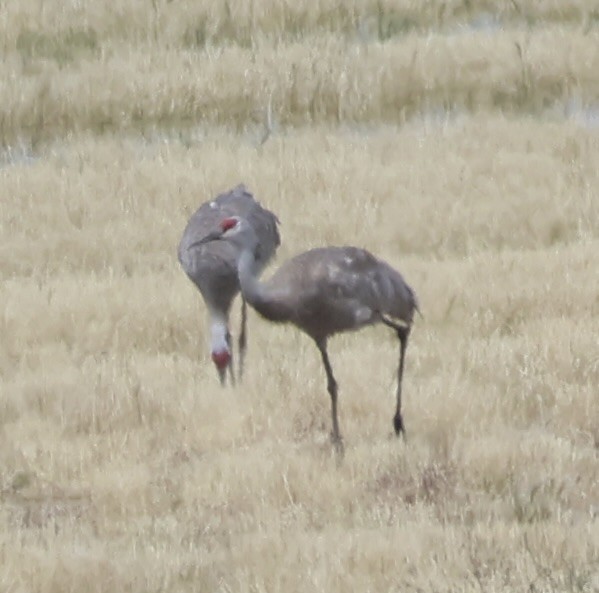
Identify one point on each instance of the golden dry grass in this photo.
(82, 69)
(321, 80)
(125, 466)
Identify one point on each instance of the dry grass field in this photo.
(456, 140)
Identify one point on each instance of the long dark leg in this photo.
(403, 332)
(332, 389)
(242, 337)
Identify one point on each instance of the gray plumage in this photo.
(212, 266)
(328, 290)
(325, 291)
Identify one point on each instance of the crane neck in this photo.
(251, 287)
(219, 333)
(271, 302)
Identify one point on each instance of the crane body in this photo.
(212, 266)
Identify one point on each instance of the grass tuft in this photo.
(457, 141)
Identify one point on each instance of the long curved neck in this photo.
(271, 304)
(252, 289)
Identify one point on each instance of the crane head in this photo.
(227, 227)
(221, 359)
(236, 230)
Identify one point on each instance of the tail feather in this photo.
(415, 303)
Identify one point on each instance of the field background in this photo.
(458, 140)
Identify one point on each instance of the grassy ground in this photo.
(462, 152)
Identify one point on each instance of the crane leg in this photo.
(332, 389)
(403, 333)
(242, 337)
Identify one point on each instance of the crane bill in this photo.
(213, 236)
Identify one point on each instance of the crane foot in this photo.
(338, 446)
(398, 425)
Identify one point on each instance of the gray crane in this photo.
(212, 267)
(325, 291)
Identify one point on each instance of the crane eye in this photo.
(228, 223)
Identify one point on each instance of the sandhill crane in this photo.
(325, 291)
(212, 267)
